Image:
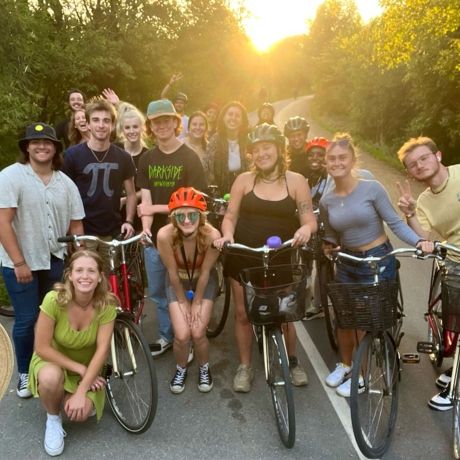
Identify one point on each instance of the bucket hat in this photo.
(161, 108)
(39, 131)
(181, 97)
(6, 352)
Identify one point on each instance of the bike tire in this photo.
(456, 415)
(279, 381)
(7, 310)
(325, 272)
(374, 411)
(434, 333)
(133, 391)
(221, 304)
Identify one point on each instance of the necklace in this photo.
(269, 181)
(443, 187)
(83, 307)
(103, 156)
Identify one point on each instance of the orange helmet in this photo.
(321, 142)
(187, 197)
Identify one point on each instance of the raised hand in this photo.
(111, 96)
(175, 78)
(406, 203)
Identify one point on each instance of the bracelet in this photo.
(128, 222)
(19, 264)
(408, 216)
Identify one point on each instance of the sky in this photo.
(273, 20)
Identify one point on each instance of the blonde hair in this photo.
(130, 112)
(282, 162)
(415, 142)
(102, 297)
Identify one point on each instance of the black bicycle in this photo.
(377, 309)
(216, 210)
(273, 295)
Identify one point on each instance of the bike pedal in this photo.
(410, 358)
(425, 347)
(155, 346)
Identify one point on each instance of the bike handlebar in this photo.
(438, 247)
(417, 253)
(263, 249)
(114, 243)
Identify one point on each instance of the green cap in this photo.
(161, 108)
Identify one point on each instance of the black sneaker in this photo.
(22, 390)
(204, 379)
(177, 384)
(441, 401)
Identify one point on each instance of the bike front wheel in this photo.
(132, 389)
(456, 415)
(221, 304)
(279, 381)
(325, 272)
(374, 394)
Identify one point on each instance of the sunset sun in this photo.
(269, 22)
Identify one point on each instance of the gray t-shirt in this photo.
(357, 219)
(43, 213)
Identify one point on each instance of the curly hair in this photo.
(102, 297)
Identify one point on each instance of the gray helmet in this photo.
(266, 133)
(296, 124)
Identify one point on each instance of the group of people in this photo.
(103, 188)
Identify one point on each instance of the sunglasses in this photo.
(192, 216)
(344, 143)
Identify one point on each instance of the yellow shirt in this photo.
(440, 211)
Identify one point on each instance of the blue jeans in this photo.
(26, 300)
(351, 272)
(156, 278)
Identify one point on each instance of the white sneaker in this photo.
(54, 436)
(345, 389)
(164, 345)
(338, 375)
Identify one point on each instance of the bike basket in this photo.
(274, 295)
(450, 292)
(369, 307)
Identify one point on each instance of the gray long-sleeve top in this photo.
(357, 219)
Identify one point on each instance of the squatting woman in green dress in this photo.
(72, 340)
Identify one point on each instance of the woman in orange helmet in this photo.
(185, 247)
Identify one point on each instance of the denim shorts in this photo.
(354, 272)
(210, 291)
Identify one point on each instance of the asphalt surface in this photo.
(227, 425)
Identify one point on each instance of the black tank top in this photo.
(260, 219)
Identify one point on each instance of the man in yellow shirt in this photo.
(436, 209)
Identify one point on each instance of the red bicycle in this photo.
(132, 389)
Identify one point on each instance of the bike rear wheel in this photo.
(434, 322)
(279, 381)
(456, 414)
(325, 272)
(221, 304)
(374, 409)
(132, 389)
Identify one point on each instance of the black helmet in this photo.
(296, 124)
(266, 133)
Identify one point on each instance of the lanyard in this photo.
(190, 293)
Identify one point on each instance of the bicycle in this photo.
(377, 309)
(325, 273)
(443, 317)
(217, 208)
(273, 295)
(132, 389)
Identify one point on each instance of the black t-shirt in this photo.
(100, 182)
(163, 173)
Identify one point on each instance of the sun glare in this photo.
(271, 21)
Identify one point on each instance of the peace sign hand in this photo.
(406, 202)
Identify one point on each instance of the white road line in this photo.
(339, 404)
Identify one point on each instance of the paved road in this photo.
(226, 425)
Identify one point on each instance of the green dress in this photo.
(79, 346)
